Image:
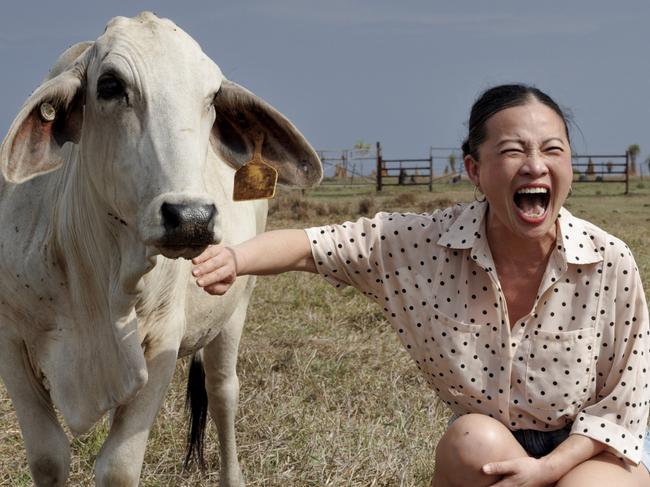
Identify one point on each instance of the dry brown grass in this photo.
(328, 397)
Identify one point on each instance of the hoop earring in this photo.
(476, 198)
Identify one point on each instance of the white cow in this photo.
(124, 156)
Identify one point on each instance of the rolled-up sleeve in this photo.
(343, 253)
(619, 416)
(369, 252)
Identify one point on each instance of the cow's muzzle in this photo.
(179, 224)
(188, 229)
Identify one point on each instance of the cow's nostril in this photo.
(178, 215)
(188, 224)
(171, 215)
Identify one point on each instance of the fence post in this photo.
(379, 167)
(627, 172)
(430, 169)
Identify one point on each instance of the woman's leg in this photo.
(606, 469)
(470, 442)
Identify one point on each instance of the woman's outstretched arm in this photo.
(268, 253)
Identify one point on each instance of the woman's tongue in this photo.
(531, 205)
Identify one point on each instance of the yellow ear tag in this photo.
(256, 179)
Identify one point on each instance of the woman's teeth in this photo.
(532, 190)
(534, 213)
(532, 201)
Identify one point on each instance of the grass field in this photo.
(328, 396)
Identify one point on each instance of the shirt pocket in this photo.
(457, 364)
(558, 369)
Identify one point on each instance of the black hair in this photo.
(499, 98)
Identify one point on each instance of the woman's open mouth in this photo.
(532, 203)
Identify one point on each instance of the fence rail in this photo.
(604, 170)
(385, 168)
(349, 168)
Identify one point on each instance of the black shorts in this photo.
(540, 443)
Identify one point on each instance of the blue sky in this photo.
(404, 73)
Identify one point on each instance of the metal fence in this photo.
(602, 169)
(349, 167)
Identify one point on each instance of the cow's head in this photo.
(147, 106)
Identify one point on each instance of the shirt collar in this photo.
(468, 227)
(574, 240)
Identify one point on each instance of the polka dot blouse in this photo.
(580, 356)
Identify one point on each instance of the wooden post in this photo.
(627, 172)
(379, 167)
(430, 169)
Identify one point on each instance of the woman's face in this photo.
(524, 170)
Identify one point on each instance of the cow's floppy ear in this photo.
(241, 117)
(51, 116)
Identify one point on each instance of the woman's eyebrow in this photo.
(553, 139)
(516, 140)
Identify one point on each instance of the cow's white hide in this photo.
(136, 167)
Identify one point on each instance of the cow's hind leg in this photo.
(48, 451)
(120, 460)
(222, 385)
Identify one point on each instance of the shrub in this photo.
(428, 206)
(367, 206)
(405, 199)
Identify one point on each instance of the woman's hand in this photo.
(215, 269)
(268, 253)
(520, 472)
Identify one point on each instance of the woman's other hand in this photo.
(520, 472)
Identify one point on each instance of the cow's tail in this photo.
(196, 404)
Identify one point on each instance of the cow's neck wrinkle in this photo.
(98, 348)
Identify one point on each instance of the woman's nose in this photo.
(534, 165)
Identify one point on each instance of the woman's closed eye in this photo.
(556, 149)
(512, 150)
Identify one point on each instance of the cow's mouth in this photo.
(532, 203)
(186, 243)
(181, 251)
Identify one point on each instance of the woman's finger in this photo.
(208, 253)
(210, 265)
(498, 468)
(218, 289)
(220, 275)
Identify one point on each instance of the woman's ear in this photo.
(472, 168)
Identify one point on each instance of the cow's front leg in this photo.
(222, 386)
(48, 451)
(120, 460)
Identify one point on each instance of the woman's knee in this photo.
(470, 442)
(475, 439)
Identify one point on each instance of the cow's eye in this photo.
(109, 87)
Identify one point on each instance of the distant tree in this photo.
(361, 147)
(446, 170)
(452, 162)
(633, 150)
